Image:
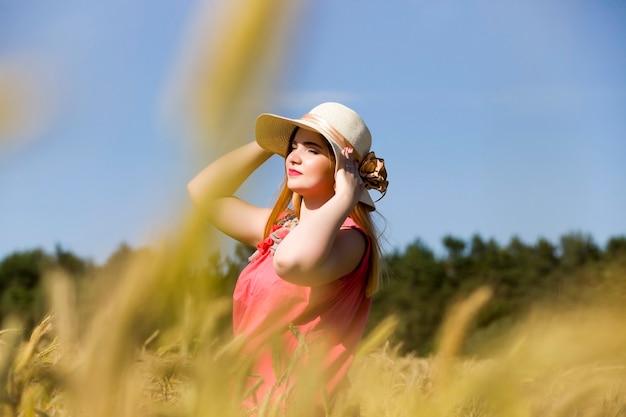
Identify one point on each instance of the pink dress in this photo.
(330, 318)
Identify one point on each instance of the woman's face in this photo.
(309, 166)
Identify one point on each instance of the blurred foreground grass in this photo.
(160, 347)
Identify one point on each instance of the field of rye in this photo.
(152, 345)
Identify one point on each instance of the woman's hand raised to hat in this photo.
(347, 179)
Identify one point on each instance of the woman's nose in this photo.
(294, 157)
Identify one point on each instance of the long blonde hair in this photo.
(288, 200)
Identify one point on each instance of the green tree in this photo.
(578, 249)
(20, 276)
(411, 291)
(71, 263)
(616, 247)
(546, 258)
(454, 246)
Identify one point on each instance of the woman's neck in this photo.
(310, 205)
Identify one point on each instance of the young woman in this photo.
(316, 266)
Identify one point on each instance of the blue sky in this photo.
(502, 118)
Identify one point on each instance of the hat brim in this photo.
(272, 133)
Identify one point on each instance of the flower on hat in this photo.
(372, 171)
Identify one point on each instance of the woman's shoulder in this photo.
(350, 224)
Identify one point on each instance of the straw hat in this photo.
(340, 125)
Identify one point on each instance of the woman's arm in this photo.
(318, 251)
(213, 188)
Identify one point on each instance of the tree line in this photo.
(418, 285)
(421, 286)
